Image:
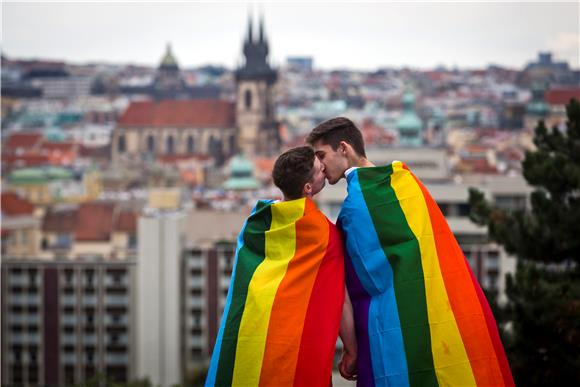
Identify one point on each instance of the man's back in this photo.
(421, 317)
(283, 308)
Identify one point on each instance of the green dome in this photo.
(538, 105)
(409, 100)
(241, 164)
(409, 124)
(54, 135)
(538, 109)
(58, 173)
(28, 176)
(409, 120)
(32, 176)
(67, 118)
(241, 174)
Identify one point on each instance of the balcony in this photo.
(24, 319)
(117, 301)
(195, 282)
(69, 300)
(119, 341)
(90, 300)
(90, 339)
(116, 359)
(122, 282)
(196, 303)
(195, 341)
(68, 339)
(68, 319)
(24, 299)
(121, 320)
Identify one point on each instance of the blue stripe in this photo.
(386, 341)
(362, 242)
(375, 273)
(215, 357)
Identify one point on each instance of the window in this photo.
(150, 144)
(132, 243)
(463, 209)
(121, 145)
(190, 144)
(510, 202)
(248, 99)
(170, 147)
(24, 237)
(63, 241)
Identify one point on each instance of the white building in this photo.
(159, 342)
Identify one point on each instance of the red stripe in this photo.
(458, 292)
(492, 328)
(322, 318)
(466, 307)
(292, 297)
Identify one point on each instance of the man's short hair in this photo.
(335, 130)
(292, 170)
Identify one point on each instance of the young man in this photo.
(420, 316)
(285, 301)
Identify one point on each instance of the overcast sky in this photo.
(337, 35)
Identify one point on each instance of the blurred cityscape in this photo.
(124, 188)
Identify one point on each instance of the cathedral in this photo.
(177, 121)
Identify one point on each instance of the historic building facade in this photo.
(172, 125)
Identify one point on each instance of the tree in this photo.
(543, 308)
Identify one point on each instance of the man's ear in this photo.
(343, 147)
(307, 190)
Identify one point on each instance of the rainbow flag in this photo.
(284, 305)
(421, 318)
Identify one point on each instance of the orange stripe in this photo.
(292, 298)
(314, 366)
(463, 298)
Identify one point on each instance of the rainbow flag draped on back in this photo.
(421, 317)
(284, 305)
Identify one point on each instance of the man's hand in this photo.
(347, 366)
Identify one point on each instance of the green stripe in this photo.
(250, 257)
(403, 252)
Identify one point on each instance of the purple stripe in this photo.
(361, 302)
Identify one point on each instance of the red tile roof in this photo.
(94, 222)
(60, 221)
(14, 205)
(126, 222)
(59, 146)
(22, 140)
(95, 152)
(562, 96)
(187, 113)
(90, 222)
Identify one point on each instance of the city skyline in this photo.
(345, 35)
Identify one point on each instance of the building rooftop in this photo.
(14, 205)
(185, 113)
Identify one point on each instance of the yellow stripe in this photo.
(280, 248)
(449, 356)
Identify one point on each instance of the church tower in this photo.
(255, 79)
(168, 83)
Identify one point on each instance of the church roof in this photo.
(409, 121)
(168, 59)
(182, 113)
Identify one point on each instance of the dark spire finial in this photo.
(250, 37)
(262, 38)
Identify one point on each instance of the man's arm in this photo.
(347, 364)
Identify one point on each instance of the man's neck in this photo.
(359, 161)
